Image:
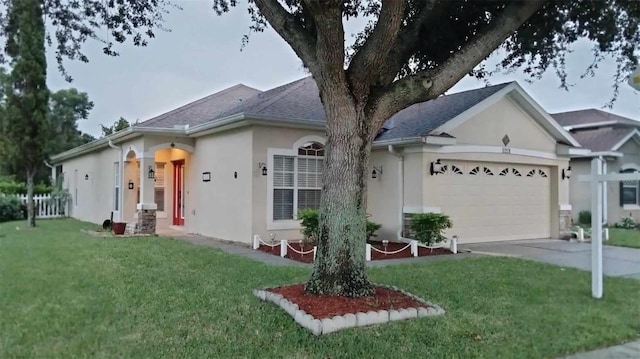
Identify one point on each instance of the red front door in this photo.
(178, 193)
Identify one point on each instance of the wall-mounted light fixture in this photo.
(436, 167)
(131, 184)
(566, 173)
(151, 174)
(263, 167)
(376, 171)
(86, 177)
(173, 145)
(206, 176)
(235, 174)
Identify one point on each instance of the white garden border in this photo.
(351, 320)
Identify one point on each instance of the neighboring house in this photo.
(617, 140)
(242, 162)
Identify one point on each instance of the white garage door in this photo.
(495, 202)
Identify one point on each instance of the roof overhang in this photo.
(633, 134)
(564, 150)
(588, 125)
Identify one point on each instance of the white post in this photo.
(604, 194)
(414, 248)
(606, 234)
(368, 252)
(315, 250)
(256, 241)
(454, 244)
(596, 230)
(581, 234)
(283, 248)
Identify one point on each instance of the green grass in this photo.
(64, 294)
(624, 237)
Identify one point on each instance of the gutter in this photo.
(400, 188)
(121, 187)
(399, 141)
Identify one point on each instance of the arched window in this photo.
(297, 181)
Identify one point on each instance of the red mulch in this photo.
(308, 258)
(329, 306)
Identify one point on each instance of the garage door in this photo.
(495, 202)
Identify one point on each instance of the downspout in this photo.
(121, 191)
(400, 189)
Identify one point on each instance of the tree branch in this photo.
(374, 52)
(431, 83)
(290, 29)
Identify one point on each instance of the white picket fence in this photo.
(44, 207)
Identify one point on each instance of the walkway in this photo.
(617, 261)
(629, 350)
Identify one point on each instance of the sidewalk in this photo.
(629, 350)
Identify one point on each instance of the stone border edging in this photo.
(351, 320)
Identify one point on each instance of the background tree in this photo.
(25, 125)
(410, 51)
(119, 125)
(66, 108)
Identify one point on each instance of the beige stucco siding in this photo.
(265, 138)
(580, 192)
(383, 193)
(222, 207)
(504, 118)
(93, 199)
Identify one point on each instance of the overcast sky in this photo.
(201, 55)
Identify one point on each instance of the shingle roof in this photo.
(590, 116)
(204, 109)
(422, 118)
(602, 139)
(300, 100)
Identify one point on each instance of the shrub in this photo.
(60, 195)
(10, 209)
(584, 218)
(428, 228)
(626, 223)
(310, 226)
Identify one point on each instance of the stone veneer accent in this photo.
(351, 320)
(146, 221)
(565, 223)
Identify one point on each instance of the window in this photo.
(116, 186)
(297, 181)
(628, 190)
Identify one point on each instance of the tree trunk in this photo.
(339, 267)
(31, 218)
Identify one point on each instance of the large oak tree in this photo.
(411, 51)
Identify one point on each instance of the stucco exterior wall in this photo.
(504, 118)
(263, 139)
(383, 203)
(580, 192)
(221, 208)
(92, 198)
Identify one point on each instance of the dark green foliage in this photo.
(310, 229)
(10, 208)
(584, 218)
(119, 125)
(309, 222)
(428, 228)
(21, 188)
(25, 126)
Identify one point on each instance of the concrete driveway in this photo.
(618, 261)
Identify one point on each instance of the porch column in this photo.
(147, 206)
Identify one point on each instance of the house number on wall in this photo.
(506, 150)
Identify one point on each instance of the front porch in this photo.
(154, 186)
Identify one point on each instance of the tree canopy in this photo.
(119, 125)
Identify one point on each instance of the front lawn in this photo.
(624, 237)
(64, 294)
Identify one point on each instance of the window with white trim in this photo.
(116, 186)
(629, 190)
(297, 181)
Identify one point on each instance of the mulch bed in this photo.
(329, 306)
(392, 246)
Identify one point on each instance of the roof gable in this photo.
(591, 118)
